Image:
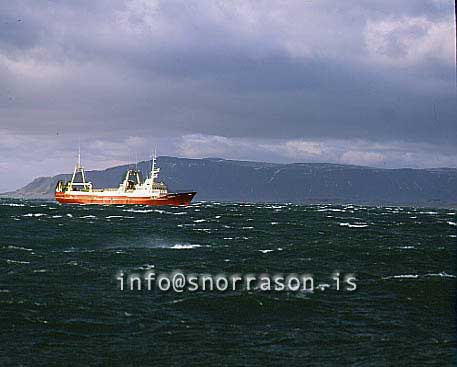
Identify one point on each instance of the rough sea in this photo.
(61, 302)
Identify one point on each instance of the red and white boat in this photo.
(133, 190)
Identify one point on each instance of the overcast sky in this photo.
(360, 82)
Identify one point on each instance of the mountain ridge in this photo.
(219, 179)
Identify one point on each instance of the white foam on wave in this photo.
(442, 274)
(184, 247)
(331, 210)
(202, 229)
(146, 267)
(247, 227)
(69, 215)
(358, 225)
(34, 215)
(19, 248)
(266, 251)
(56, 216)
(199, 220)
(88, 217)
(274, 206)
(139, 210)
(403, 276)
(452, 223)
(116, 216)
(407, 247)
(9, 261)
(12, 204)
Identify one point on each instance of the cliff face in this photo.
(225, 180)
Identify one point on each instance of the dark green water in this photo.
(60, 302)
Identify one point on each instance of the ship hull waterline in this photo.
(176, 199)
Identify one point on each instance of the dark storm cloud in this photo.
(379, 71)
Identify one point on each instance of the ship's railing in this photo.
(104, 190)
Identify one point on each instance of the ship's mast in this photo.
(154, 171)
(79, 169)
(79, 156)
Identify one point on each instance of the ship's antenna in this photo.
(79, 152)
(150, 174)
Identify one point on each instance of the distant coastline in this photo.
(244, 181)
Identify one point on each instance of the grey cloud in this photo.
(378, 71)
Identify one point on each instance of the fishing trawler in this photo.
(133, 190)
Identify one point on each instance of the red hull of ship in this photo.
(170, 199)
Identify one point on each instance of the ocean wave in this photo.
(88, 217)
(357, 225)
(402, 276)
(184, 247)
(9, 261)
(33, 215)
(146, 267)
(442, 274)
(12, 204)
(139, 210)
(266, 251)
(452, 223)
(19, 248)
